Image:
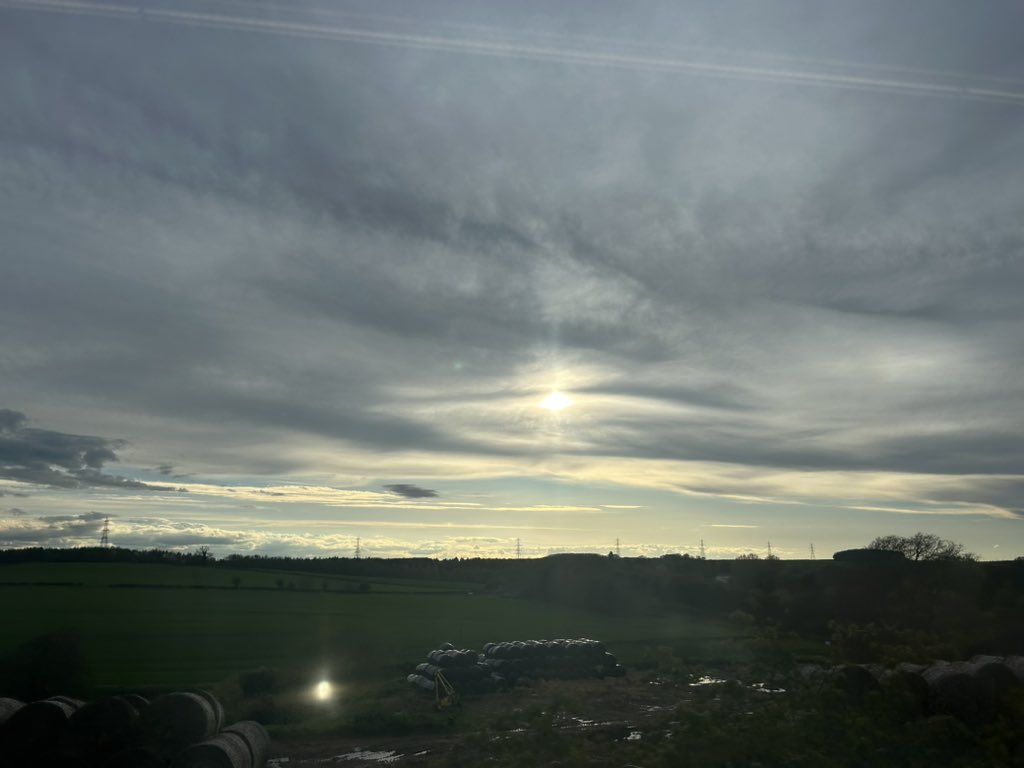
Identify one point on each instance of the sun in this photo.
(555, 401)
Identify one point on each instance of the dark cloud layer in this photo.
(56, 459)
(410, 491)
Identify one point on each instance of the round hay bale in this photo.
(420, 682)
(982, 658)
(1016, 665)
(8, 707)
(105, 727)
(856, 680)
(177, 720)
(136, 757)
(255, 737)
(214, 702)
(138, 702)
(995, 681)
(75, 704)
(907, 679)
(225, 750)
(37, 730)
(954, 690)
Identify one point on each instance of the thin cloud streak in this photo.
(532, 52)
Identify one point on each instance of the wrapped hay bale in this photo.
(908, 679)
(256, 739)
(225, 750)
(75, 704)
(177, 720)
(105, 727)
(36, 732)
(420, 682)
(215, 705)
(138, 702)
(954, 690)
(1016, 665)
(8, 707)
(855, 680)
(995, 682)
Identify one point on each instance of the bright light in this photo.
(323, 691)
(556, 401)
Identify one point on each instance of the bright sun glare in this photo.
(323, 691)
(556, 401)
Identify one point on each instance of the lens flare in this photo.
(323, 691)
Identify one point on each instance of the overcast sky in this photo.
(277, 276)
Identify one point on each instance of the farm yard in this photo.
(709, 663)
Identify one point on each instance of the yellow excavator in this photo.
(445, 695)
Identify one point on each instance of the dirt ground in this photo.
(617, 709)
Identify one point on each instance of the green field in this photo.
(157, 636)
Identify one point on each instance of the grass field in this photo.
(159, 636)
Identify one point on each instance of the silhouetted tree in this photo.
(923, 546)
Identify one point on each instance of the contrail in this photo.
(1002, 92)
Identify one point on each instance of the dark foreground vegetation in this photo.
(728, 662)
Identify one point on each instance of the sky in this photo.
(282, 278)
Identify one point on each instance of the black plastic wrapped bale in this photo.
(953, 689)
(427, 669)
(255, 737)
(102, 728)
(214, 702)
(225, 750)
(8, 707)
(420, 683)
(177, 720)
(36, 733)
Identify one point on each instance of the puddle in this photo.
(707, 681)
(763, 688)
(635, 736)
(365, 754)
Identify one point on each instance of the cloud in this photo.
(57, 459)
(411, 491)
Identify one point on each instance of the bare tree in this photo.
(923, 546)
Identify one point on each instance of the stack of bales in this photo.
(974, 691)
(504, 664)
(462, 668)
(180, 729)
(550, 660)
